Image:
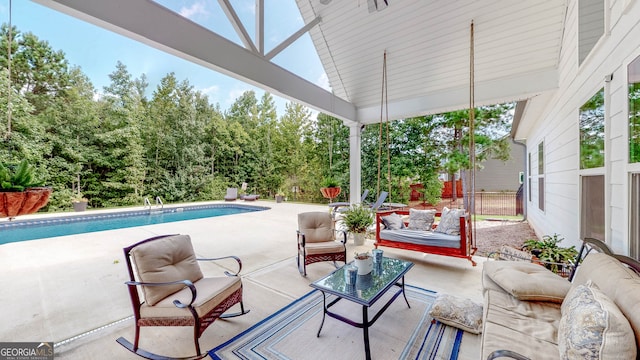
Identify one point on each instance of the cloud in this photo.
(198, 8)
(323, 82)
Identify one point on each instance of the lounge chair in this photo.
(378, 205)
(167, 288)
(339, 206)
(232, 194)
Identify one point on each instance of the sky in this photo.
(96, 51)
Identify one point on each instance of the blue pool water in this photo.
(21, 230)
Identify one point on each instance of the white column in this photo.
(355, 163)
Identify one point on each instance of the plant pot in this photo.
(330, 192)
(358, 238)
(364, 265)
(80, 205)
(23, 202)
(279, 198)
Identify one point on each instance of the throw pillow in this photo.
(527, 281)
(458, 312)
(450, 221)
(592, 327)
(393, 222)
(421, 219)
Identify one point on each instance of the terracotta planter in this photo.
(24, 202)
(330, 192)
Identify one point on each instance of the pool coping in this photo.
(116, 213)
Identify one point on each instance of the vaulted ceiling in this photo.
(427, 42)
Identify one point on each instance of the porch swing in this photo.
(428, 241)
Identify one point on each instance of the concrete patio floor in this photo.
(70, 289)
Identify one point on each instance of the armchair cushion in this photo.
(211, 292)
(527, 281)
(316, 226)
(325, 247)
(168, 259)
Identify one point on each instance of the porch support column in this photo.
(355, 163)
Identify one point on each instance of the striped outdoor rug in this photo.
(400, 333)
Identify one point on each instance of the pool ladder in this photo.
(158, 208)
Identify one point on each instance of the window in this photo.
(634, 217)
(590, 26)
(592, 132)
(633, 72)
(529, 177)
(541, 175)
(592, 207)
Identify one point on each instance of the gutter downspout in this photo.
(517, 116)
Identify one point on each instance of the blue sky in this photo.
(96, 51)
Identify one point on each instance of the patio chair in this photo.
(232, 194)
(317, 240)
(588, 245)
(164, 271)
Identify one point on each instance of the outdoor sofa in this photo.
(531, 313)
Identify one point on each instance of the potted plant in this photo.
(20, 192)
(330, 187)
(279, 196)
(357, 220)
(555, 258)
(79, 202)
(364, 263)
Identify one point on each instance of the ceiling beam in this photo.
(260, 25)
(283, 45)
(156, 26)
(490, 92)
(237, 25)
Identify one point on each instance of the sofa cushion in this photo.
(421, 219)
(420, 237)
(458, 312)
(449, 221)
(527, 281)
(393, 222)
(592, 327)
(527, 327)
(164, 260)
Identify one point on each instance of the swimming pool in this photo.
(22, 230)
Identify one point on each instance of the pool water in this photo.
(22, 230)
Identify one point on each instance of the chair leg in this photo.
(137, 337)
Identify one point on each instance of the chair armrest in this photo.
(301, 239)
(237, 259)
(177, 303)
(344, 236)
(506, 353)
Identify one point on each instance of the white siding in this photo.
(557, 123)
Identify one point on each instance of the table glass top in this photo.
(368, 288)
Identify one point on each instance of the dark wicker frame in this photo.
(199, 324)
(314, 258)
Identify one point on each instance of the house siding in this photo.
(556, 122)
(498, 175)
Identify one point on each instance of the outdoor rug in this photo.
(400, 333)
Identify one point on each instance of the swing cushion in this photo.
(421, 237)
(450, 221)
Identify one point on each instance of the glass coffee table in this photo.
(366, 291)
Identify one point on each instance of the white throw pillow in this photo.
(592, 327)
(421, 219)
(450, 221)
(458, 312)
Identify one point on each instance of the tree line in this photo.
(124, 145)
